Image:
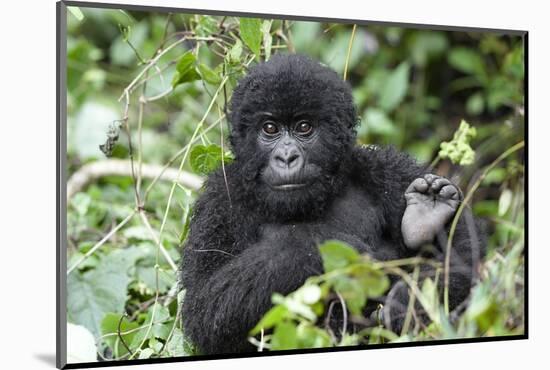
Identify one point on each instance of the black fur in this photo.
(247, 244)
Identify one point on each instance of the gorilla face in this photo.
(293, 129)
(290, 148)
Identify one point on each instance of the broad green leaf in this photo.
(395, 88)
(206, 26)
(209, 75)
(312, 337)
(109, 325)
(205, 159)
(376, 121)
(374, 282)
(251, 33)
(273, 317)
(298, 307)
(336, 254)
(177, 345)
(162, 324)
(352, 292)
(146, 353)
(236, 51)
(468, 61)
(425, 45)
(284, 337)
(100, 291)
(185, 69)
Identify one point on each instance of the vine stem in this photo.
(101, 242)
(175, 156)
(466, 200)
(157, 241)
(153, 61)
(350, 44)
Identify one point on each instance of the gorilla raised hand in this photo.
(431, 202)
(298, 180)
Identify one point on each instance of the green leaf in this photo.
(251, 33)
(475, 104)
(185, 70)
(109, 325)
(374, 281)
(97, 292)
(309, 294)
(160, 329)
(504, 201)
(236, 51)
(395, 89)
(273, 317)
(209, 75)
(468, 61)
(284, 337)
(205, 159)
(267, 39)
(352, 292)
(378, 122)
(426, 45)
(177, 345)
(337, 254)
(312, 337)
(146, 353)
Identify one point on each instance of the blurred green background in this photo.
(412, 89)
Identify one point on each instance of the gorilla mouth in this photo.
(288, 187)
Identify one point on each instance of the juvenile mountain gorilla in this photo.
(296, 181)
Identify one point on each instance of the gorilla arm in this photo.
(388, 175)
(229, 288)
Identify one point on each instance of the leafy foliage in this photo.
(459, 150)
(414, 89)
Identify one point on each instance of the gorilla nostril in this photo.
(292, 159)
(286, 159)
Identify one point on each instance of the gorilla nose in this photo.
(287, 158)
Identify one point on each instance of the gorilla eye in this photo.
(270, 128)
(304, 127)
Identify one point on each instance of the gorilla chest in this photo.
(356, 219)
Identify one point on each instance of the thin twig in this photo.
(157, 241)
(101, 242)
(173, 159)
(350, 44)
(155, 60)
(466, 200)
(120, 336)
(344, 314)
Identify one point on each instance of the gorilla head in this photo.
(292, 131)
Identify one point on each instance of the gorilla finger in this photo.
(439, 183)
(417, 186)
(449, 191)
(430, 177)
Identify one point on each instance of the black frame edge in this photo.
(165, 9)
(61, 317)
(61, 217)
